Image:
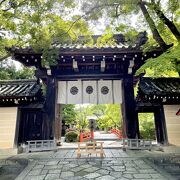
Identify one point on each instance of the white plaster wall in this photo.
(172, 124)
(8, 117)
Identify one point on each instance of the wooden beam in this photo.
(49, 72)
(75, 66)
(129, 70)
(103, 65)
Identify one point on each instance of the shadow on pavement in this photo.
(10, 168)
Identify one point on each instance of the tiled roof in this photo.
(20, 92)
(78, 48)
(81, 45)
(159, 90)
(19, 88)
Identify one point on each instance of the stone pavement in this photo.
(117, 164)
(10, 168)
(100, 135)
(109, 141)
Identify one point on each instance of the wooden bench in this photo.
(90, 148)
(137, 144)
(41, 145)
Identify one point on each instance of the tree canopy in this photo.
(44, 24)
(108, 115)
(9, 71)
(161, 18)
(40, 24)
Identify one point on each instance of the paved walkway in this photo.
(100, 135)
(106, 144)
(110, 141)
(117, 164)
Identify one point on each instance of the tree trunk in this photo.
(168, 23)
(152, 26)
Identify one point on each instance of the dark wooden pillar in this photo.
(58, 122)
(58, 119)
(160, 124)
(128, 108)
(50, 105)
(57, 134)
(137, 125)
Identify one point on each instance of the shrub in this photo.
(70, 129)
(71, 136)
(147, 130)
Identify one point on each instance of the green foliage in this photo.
(112, 8)
(44, 24)
(69, 114)
(39, 24)
(25, 73)
(98, 110)
(123, 12)
(168, 37)
(167, 64)
(8, 71)
(81, 117)
(146, 126)
(106, 40)
(129, 32)
(71, 136)
(173, 6)
(150, 45)
(50, 56)
(108, 116)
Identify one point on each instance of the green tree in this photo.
(150, 9)
(81, 117)
(8, 71)
(147, 126)
(166, 65)
(162, 18)
(69, 114)
(108, 116)
(41, 24)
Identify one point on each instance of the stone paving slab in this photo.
(116, 168)
(117, 164)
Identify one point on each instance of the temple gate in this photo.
(79, 63)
